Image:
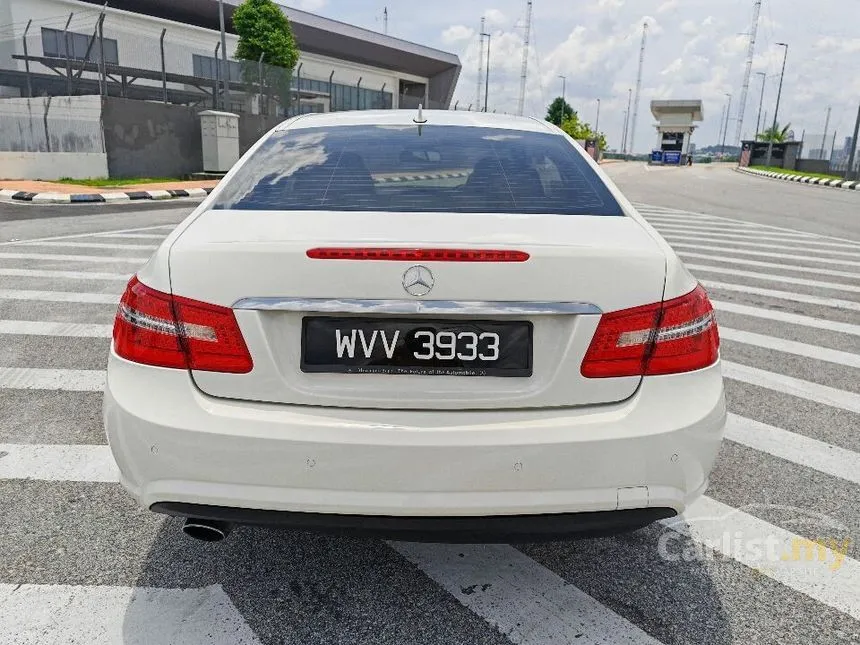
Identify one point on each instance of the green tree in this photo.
(580, 130)
(263, 29)
(774, 134)
(558, 111)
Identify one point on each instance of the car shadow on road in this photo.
(299, 587)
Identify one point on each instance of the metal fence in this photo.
(827, 153)
(94, 52)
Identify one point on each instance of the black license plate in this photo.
(416, 346)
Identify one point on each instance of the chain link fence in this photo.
(93, 53)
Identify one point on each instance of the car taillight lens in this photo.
(678, 335)
(159, 329)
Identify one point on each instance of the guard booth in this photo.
(675, 125)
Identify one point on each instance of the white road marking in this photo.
(59, 296)
(524, 600)
(731, 251)
(93, 245)
(762, 235)
(745, 234)
(90, 234)
(100, 615)
(794, 447)
(643, 208)
(783, 316)
(836, 303)
(105, 259)
(130, 236)
(729, 247)
(27, 378)
(833, 579)
(71, 275)
(771, 277)
(815, 352)
(672, 218)
(67, 463)
(808, 390)
(770, 265)
(38, 328)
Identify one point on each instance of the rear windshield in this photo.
(412, 169)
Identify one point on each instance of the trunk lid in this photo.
(227, 256)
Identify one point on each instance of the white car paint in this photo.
(279, 439)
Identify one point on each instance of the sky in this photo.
(696, 49)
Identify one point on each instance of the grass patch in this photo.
(785, 171)
(104, 182)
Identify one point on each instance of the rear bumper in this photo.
(466, 530)
(175, 445)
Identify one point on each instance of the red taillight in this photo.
(155, 328)
(678, 335)
(417, 255)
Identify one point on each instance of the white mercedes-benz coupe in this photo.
(428, 325)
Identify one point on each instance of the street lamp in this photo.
(487, 78)
(597, 120)
(563, 84)
(726, 129)
(778, 96)
(760, 102)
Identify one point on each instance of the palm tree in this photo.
(774, 134)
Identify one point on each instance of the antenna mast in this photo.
(750, 54)
(385, 21)
(525, 68)
(638, 88)
(480, 67)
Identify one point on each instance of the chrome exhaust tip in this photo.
(206, 530)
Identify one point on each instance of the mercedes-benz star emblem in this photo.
(418, 280)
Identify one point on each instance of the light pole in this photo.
(776, 111)
(726, 130)
(563, 84)
(487, 77)
(627, 121)
(760, 102)
(225, 70)
(597, 120)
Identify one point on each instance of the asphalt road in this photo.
(717, 189)
(80, 563)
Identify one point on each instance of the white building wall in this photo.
(138, 43)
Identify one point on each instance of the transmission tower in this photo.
(630, 143)
(525, 68)
(748, 71)
(480, 67)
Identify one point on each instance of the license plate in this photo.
(416, 346)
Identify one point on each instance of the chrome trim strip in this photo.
(471, 307)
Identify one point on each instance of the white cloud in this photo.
(311, 5)
(495, 18)
(606, 6)
(457, 33)
(694, 51)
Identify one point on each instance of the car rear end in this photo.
(449, 329)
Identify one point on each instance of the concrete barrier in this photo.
(53, 165)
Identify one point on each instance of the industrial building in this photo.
(165, 50)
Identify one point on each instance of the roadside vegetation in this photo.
(104, 182)
(796, 172)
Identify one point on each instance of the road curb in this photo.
(803, 179)
(113, 197)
